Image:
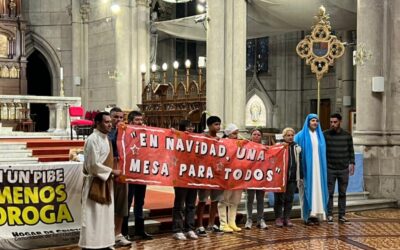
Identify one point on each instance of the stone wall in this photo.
(102, 71)
(290, 85)
(50, 20)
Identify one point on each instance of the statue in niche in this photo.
(13, 72)
(4, 72)
(255, 111)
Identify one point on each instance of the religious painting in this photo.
(3, 46)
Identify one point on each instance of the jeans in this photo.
(184, 206)
(260, 203)
(285, 201)
(342, 176)
(137, 192)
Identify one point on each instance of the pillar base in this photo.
(381, 151)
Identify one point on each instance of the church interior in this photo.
(263, 64)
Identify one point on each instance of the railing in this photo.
(17, 108)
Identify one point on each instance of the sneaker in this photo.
(192, 235)
(120, 241)
(279, 222)
(201, 232)
(262, 224)
(248, 224)
(179, 236)
(215, 229)
(287, 223)
(226, 229)
(330, 220)
(343, 220)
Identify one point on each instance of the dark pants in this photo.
(285, 201)
(184, 205)
(138, 192)
(342, 176)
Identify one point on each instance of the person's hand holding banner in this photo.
(157, 156)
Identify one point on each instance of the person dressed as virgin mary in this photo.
(314, 192)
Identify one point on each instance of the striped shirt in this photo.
(339, 149)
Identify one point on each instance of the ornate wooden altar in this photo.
(12, 49)
(165, 104)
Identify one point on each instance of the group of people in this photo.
(316, 160)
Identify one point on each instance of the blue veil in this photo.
(304, 140)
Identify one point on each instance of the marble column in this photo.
(83, 53)
(76, 44)
(377, 133)
(142, 49)
(226, 60)
(132, 29)
(370, 16)
(123, 41)
(347, 78)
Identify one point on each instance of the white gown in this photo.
(97, 230)
(317, 207)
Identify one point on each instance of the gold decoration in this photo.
(320, 49)
(362, 54)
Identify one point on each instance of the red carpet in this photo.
(48, 150)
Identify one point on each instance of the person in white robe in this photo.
(97, 223)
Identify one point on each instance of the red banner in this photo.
(167, 157)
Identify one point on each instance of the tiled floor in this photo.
(378, 229)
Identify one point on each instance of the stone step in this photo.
(350, 196)
(351, 206)
(158, 225)
(18, 160)
(15, 153)
(354, 196)
(4, 130)
(12, 145)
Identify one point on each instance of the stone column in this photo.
(347, 81)
(370, 16)
(76, 44)
(377, 129)
(132, 29)
(226, 60)
(52, 117)
(60, 118)
(141, 48)
(84, 53)
(123, 39)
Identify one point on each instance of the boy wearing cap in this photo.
(214, 125)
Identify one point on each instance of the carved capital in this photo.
(145, 3)
(85, 10)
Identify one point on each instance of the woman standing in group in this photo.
(256, 136)
(284, 201)
(231, 198)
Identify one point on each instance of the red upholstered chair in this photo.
(81, 126)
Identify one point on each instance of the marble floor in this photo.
(375, 229)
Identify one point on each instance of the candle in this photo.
(61, 73)
(202, 62)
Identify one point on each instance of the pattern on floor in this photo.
(378, 229)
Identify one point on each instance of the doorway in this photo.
(325, 111)
(40, 84)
